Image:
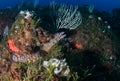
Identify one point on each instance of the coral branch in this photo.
(66, 16)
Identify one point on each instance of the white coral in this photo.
(60, 66)
(22, 12)
(26, 13)
(57, 71)
(54, 62)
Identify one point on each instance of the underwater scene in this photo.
(59, 40)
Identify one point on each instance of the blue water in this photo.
(106, 5)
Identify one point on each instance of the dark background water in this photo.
(106, 5)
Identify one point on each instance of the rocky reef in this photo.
(46, 44)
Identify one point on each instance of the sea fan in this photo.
(65, 16)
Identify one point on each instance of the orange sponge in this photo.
(12, 46)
